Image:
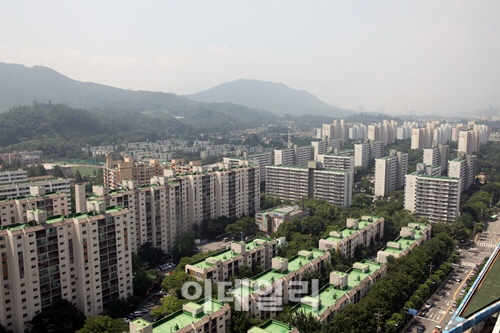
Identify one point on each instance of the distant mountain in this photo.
(20, 85)
(270, 96)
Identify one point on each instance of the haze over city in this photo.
(433, 57)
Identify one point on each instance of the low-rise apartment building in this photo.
(358, 232)
(269, 220)
(344, 288)
(84, 258)
(263, 295)
(274, 326)
(220, 266)
(13, 176)
(410, 237)
(205, 316)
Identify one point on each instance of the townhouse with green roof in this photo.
(410, 237)
(358, 232)
(263, 295)
(344, 288)
(205, 316)
(220, 266)
(274, 326)
(269, 220)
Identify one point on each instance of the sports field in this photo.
(488, 291)
(85, 170)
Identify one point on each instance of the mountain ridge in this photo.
(270, 96)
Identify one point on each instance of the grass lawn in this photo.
(85, 170)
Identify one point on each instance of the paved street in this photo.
(442, 309)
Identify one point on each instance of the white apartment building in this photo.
(358, 132)
(13, 176)
(336, 161)
(319, 147)
(466, 142)
(464, 167)
(437, 155)
(435, 197)
(260, 159)
(367, 151)
(284, 157)
(22, 188)
(294, 183)
(390, 173)
(84, 258)
(419, 138)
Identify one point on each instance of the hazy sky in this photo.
(437, 57)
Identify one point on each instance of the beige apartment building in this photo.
(13, 176)
(437, 155)
(116, 171)
(84, 258)
(170, 205)
(464, 167)
(220, 266)
(358, 232)
(390, 172)
(409, 238)
(432, 196)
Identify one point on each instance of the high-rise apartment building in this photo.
(466, 142)
(284, 157)
(294, 155)
(376, 132)
(319, 147)
(116, 171)
(295, 183)
(464, 167)
(83, 258)
(390, 172)
(367, 151)
(260, 159)
(435, 197)
(419, 138)
(437, 155)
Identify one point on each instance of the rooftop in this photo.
(347, 231)
(329, 294)
(31, 181)
(272, 275)
(182, 318)
(281, 209)
(227, 254)
(272, 326)
(406, 242)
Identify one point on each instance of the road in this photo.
(442, 309)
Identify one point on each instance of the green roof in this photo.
(227, 254)
(329, 294)
(182, 318)
(347, 231)
(271, 274)
(30, 181)
(406, 242)
(272, 326)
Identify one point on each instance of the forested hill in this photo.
(20, 85)
(270, 96)
(57, 121)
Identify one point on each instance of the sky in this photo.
(434, 57)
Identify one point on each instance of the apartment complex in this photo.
(262, 292)
(464, 167)
(390, 172)
(22, 188)
(344, 288)
(84, 258)
(419, 138)
(437, 155)
(116, 171)
(319, 147)
(294, 155)
(260, 159)
(269, 220)
(338, 130)
(366, 151)
(295, 183)
(410, 237)
(358, 232)
(170, 205)
(220, 266)
(13, 176)
(274, 326)
(205, 316)
(435, 197)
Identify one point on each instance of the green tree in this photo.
(61, 317)
(78, 177)
(57, 172)
(40, 170)
(152, 255)
(173, 283)
(104, 324)
(245, 225)
(169, 305)
(184, 246)
(143, 281)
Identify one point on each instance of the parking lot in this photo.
(442, 300)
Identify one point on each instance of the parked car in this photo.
(144, 311)
(428, 305)
(420, 328)
(137, 313)
(454, 304)
(149, 304)
(225, 239)
(458, 279)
